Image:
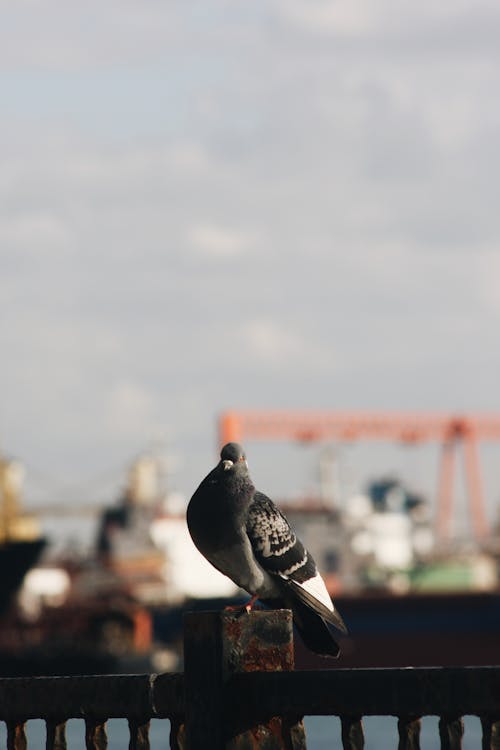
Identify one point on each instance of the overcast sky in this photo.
(216, 204)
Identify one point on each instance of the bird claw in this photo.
(248, 607)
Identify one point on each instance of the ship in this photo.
(21, 541)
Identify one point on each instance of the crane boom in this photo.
(405, 427)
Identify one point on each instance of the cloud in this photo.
(35, 232)
(130, 410)
(445, 29)
(182, 231)
(56, 38)
(269, 342)
(488, 275)
(217, 242)
(325, 17)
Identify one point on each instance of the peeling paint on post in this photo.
(218, 645)
(16, 735)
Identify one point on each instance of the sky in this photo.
(214, 205)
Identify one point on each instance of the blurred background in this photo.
(225, 206)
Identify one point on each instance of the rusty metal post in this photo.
(218, 645)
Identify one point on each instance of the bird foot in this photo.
(242, 607)
(251, 603)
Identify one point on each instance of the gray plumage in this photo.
(245, 536)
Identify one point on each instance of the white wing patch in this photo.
(317, 588)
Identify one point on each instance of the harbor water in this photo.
(323, 733)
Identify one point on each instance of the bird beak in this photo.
(227, 464)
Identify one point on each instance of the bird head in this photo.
(232, 455)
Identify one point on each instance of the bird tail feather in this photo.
(310, 601)
(314, 631)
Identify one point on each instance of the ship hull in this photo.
(16, 558)
(416, 630)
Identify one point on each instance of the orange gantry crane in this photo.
(406, 427)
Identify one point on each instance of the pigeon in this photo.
(242, 533)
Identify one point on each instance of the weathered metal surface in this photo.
(16, 735)
(139, 734)
(218, 645)
(273, 735)
(451, 731)
(409, 733)
(353, 737)
(166, 696)
(383, 692)
(296, 733)
(258, 641)
(95, 734)
(56, 735)
(54, 698)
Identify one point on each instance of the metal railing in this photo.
(137, 698)
(239, 690)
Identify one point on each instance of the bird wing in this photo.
(281, 554)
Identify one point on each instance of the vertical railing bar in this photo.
(409, 733)
(139, 734)
(177, 733)
(95, 734)
(451, 731)
(16, 735)
(352, 733)
(56, 734)
(490, 733)
(295, 731)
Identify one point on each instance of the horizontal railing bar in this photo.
(448, 692)
(105, 696)
(362, 692)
